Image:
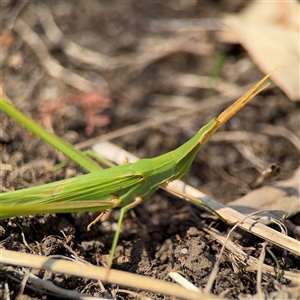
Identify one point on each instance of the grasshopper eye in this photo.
(205, 137)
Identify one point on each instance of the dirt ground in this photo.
(155, 233)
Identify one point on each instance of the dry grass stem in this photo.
(94, 272)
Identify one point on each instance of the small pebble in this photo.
(184, 251)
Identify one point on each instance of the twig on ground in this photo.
(94, 272)
(239, 224)
(247, 262)
(46, 285)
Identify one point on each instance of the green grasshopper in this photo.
(121, 186)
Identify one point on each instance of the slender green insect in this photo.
(122, 186)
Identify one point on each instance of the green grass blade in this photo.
(67, 149)
(96, 157)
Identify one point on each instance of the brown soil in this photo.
(156, 233)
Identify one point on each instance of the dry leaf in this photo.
(269, 31)
(284, 196)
